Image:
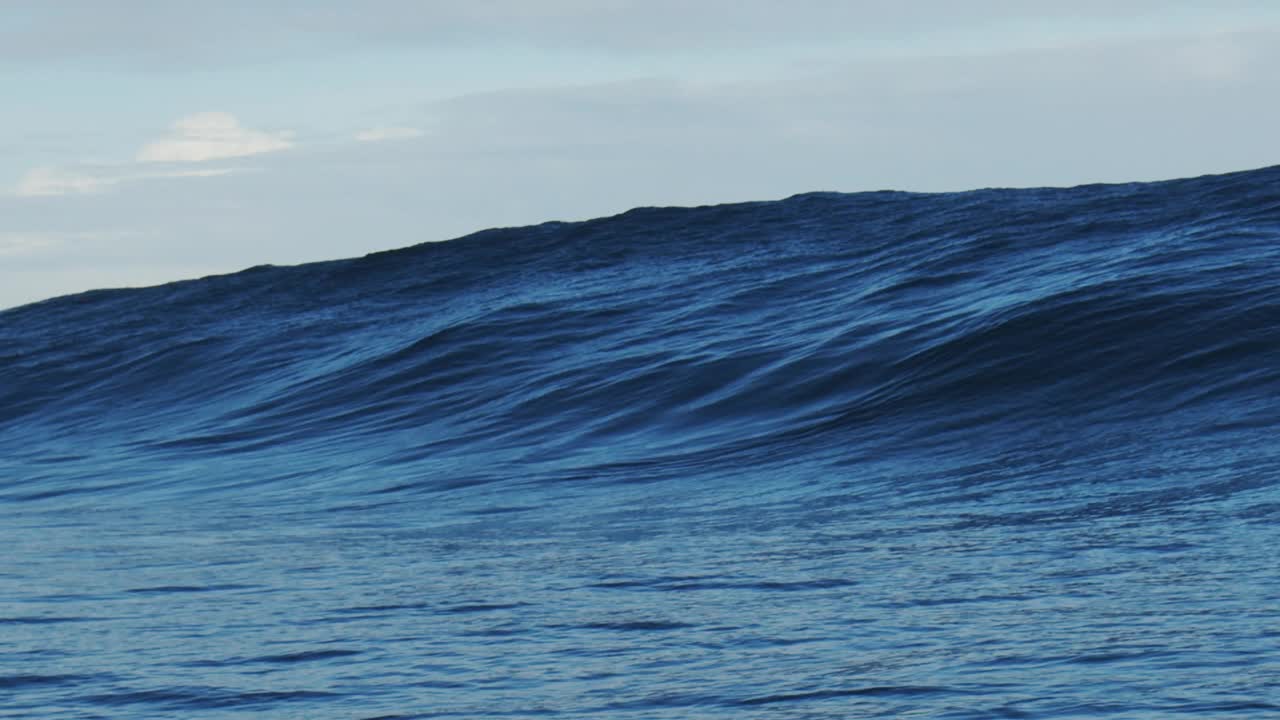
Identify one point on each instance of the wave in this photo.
(823, 328)
(1005, 453)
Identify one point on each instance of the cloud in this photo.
(194, 139)
(199, 172)
(19, 244)
(48, 181)
(163, 35)
(1216, 57)
(31, 244)
(378, 134)
(212, 136)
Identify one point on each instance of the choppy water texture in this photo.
(996, 454)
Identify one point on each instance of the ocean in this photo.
(988, 454)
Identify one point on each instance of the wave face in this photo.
(1003, 453)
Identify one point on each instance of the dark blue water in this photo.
(997, 454)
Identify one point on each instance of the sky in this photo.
(144, 141)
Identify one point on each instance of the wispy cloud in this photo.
(50, 181)
(21, 244)
(212, 136)
(1220, 57)
(379, 134)
(192, 140)
(220, 34)
(30, 244)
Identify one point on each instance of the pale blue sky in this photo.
(152, 141)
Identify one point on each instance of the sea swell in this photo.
(708, 330)
(754, 440)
